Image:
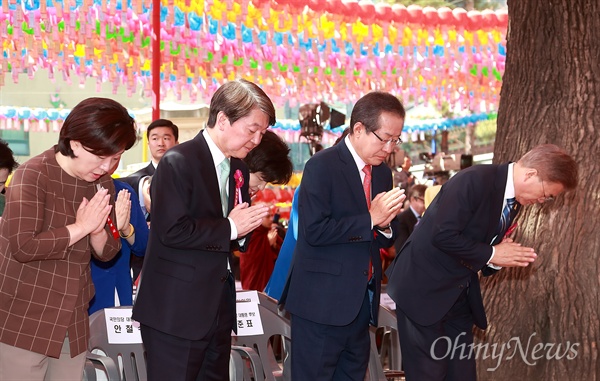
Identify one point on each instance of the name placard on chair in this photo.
(249, 322)
(120, 327)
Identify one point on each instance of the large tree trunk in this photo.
(550, 94)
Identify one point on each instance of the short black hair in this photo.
(7, 160)
(369, 108)
(102, 125)
(163, 123)
(271, 158)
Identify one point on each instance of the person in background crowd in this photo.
(434, 279)
(269, 162)
(257, 263)
(440, 179)
(114, 275)
(58, 214)
(403, 178)
(7, 165)
(162, 135)
(200, 206)
(411, 216)
(347, 209)
(146, 182)
(276, 282)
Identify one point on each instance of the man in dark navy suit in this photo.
(347, 209)
(411, 215)
(434, 279)
(162, 135)
(186, 299)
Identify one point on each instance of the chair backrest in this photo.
(133, 359)
(390, 350)
(244, 365)
(274, 325)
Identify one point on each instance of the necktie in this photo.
(367, 188)
(367, 184)
(223, 176)
(508, 213)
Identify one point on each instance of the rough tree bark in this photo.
(550, 94)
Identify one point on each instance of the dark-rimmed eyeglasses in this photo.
(546, 198)
(390, 141)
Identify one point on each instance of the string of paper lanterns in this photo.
(299, 51)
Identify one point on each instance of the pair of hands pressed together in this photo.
(92, 214)
(386, 206)
(511, 254)
(247, 218)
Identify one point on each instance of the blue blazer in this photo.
(284, 260)
(115, 274)
(185, 268)
(329, 274)
(448, 247)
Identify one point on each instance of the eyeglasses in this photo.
(546, 198)
(419, 198)
(390, 141)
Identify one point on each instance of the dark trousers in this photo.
(441, 351)
(174, 358)
(326, 352)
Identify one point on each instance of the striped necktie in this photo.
(508, 213)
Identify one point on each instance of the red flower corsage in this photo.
(239, 182)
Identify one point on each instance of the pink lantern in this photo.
(400, 14)
(350, 9)
(445, 15)
(415, 14)
(474, 20)
(367, 11)
(335, 7)
(489, 18)
(430, 16)
(460, 15)
(318, 6)
(384, 12)
(502, 15)
(298, 4)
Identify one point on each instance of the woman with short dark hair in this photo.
(59, 212)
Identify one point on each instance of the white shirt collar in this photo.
(414, 212)
(360, 164)
(215, 152)
(509, 192)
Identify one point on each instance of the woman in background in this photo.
(115, 275)
(7, 165)
(58, 214)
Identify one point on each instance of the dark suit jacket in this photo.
(450, 245)
(185, 270)
(407, 220)
(329, 274)
(135, 177)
